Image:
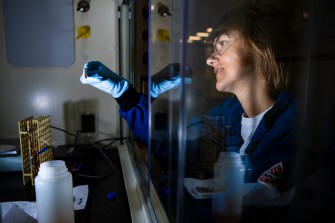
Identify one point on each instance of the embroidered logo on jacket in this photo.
(272, 175)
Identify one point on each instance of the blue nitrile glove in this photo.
(98, 75)
(169, 78)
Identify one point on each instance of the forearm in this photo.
(259, 195)
(133, 105)
(135, 112)
(129, 99)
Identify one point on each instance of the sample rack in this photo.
(35, 143)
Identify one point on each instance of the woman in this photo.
(261, 112)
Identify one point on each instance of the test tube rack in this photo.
(35, 143)
(211, 141)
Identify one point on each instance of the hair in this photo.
(263, 30)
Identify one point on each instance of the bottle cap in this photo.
(230, 157)
(51, 168)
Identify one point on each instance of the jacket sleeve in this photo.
(134, 109)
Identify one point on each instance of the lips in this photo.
(218, 70)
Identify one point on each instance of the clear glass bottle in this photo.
(54, 193)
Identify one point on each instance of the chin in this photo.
(219, 88)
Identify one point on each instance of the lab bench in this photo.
(88, 167)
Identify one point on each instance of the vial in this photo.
(227, 201)
(54, 193)
(85, 72)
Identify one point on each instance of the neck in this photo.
(255, 102)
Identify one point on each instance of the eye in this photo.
(222, 44)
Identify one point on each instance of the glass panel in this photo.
(166, 59)
(201, 124)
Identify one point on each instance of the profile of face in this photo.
(233, 64)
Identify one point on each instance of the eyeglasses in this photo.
(221, 45)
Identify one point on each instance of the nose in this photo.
(211, 60)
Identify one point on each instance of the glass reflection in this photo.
(241, 103)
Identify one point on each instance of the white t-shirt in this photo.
(248, 127)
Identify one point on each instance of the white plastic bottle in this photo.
(227, 200)
(54, 193)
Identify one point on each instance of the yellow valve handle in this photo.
(163, 35)
(83, 32)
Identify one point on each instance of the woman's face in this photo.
(233, 65)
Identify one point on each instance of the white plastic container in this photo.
(54, 193)
(227, 200)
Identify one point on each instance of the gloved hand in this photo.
(98, 75)
(169, 78)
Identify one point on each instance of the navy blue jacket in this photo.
(271, 151)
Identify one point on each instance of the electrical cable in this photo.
(94, 144)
